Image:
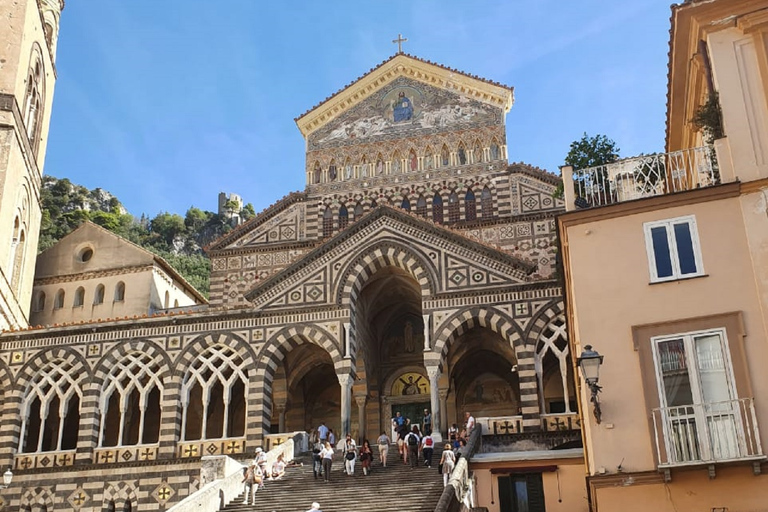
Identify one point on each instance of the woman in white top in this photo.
(349, 449)
(447, 462)
(327, 457)
(383, 442)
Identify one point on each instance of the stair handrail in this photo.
(223, 478)
(460, 483)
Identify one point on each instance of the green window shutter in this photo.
(535, 486)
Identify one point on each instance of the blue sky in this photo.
(166, 103)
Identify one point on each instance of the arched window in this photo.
(379, 165)
(486, 203)
(495, 150)
(413, 161)
(363, 167)
(421, 206)
(445, 156)
(396, 162)
(454, 212)
(405, 204)
(437, 208)
(120, 292)
(213, 395)
(462, 155)
(428, 158)
(18, 246)
(98, 296)
(552, 355)
(167, 301)
(358, 211)
(50, 411)
(327, 222)
(130, 402)
(343, 217)
(316, 171)
(58, 302)
(470, 209)
(347, 169)
(332, 172)
(79, 297)
(38, 304)
(33, 98)
(477, 153)
(175, 303)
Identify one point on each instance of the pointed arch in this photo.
(421, 206)
(470, 208)
(343, 217)
(495, 149)
(454, 207)
(405, 204)
(34, 97)
(437, 208)
(486, 203)
(359, 211)
(327, 222)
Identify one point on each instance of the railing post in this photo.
(566, 172)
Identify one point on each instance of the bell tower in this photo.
(27, 79)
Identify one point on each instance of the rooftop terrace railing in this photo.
(644, 176)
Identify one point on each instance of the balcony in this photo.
(707, 434)
(647, 176)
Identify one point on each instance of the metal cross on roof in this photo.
(400, 40)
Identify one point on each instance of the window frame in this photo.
(669, 224)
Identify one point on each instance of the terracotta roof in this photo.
(534, 171)
(269, 211)
(525, 266)
(353, 82)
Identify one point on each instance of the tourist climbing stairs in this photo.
(395, 488)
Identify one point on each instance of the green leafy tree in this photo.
(590, 152)
(167, 226)
(247, 212)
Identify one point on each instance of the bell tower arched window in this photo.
(486, 203)
(358, 211)
(33, 98)
(405, 204)
(421, 207)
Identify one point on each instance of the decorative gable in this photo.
(286, 226)
(439, 259)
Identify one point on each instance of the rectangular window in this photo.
(673, 249)
(521, 493)
(701, 415)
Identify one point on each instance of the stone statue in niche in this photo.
(428, 162)
(379, 167)
(494, 151)
(462, 156)
(332, 172)
(348, 172)
(402, 109)
(410, 344)
(414, 162)
(396, 165)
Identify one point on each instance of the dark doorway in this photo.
(413, 411)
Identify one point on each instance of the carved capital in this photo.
(345, 379)
(434, 374)
(361, 400)
(280, 406)
(443, 393)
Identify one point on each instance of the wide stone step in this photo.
(395, 488)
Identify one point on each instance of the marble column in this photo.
(434, 398)
(280, 407)
(361, 400)
(346, 381)
(443, 394)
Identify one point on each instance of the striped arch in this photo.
(270, 357)
(6, 377)
(102, 369)
(541, 319)
(200, 344)
(77, 364)
(36, 499)
(377, 255)
(119, 492)
(499, 322)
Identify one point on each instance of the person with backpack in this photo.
(349, 449)
(427, 448)
(412, 441)
(317, 460)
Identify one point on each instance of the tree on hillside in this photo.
(590, 152)
(167, 226)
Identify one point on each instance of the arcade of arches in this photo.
(394, 370)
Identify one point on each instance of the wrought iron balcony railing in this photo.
(707, 433)
(643, 176)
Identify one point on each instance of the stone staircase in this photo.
(395, 488)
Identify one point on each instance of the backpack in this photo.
(428, 442)
(413, 440)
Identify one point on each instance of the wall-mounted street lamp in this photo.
(590, 362)
(7, 477)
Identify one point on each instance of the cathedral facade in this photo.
(417, 270)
